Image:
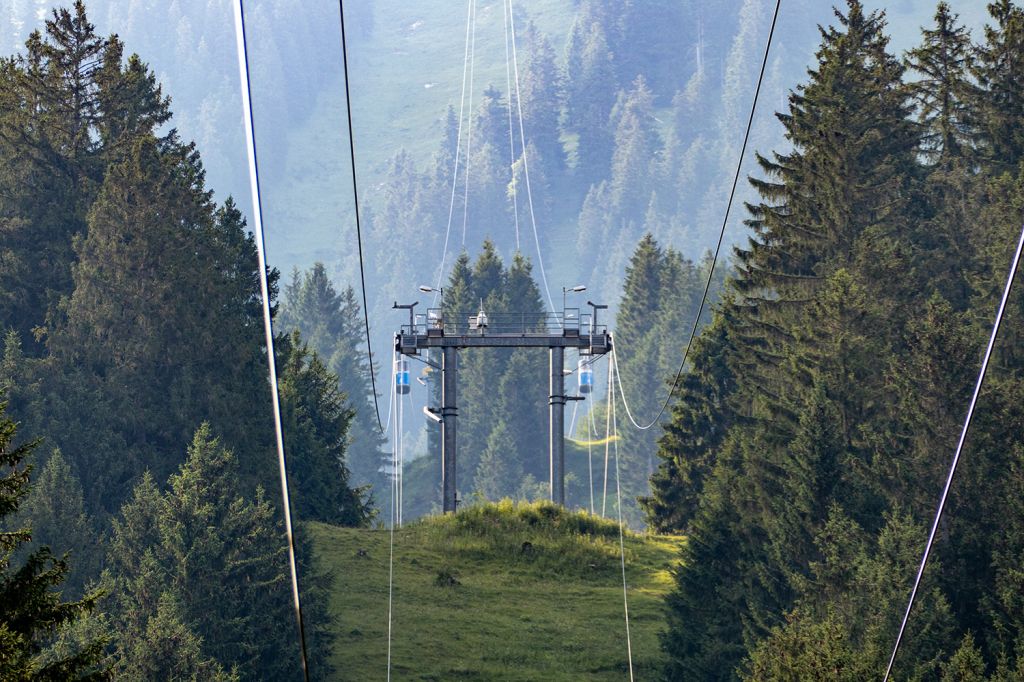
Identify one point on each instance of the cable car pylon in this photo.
(457, 331)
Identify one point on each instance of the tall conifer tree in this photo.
(31, 610)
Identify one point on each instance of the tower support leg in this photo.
(449, 415)
(556, 422)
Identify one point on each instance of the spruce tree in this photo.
(48, 129)
(943, 61)
(835, 201)
(999, 97)
(949, 134)
(168, 649)
(316, 419)
(55, 512)
(332, 324)
(658, 301)
(204, 526)
(499, 472)
(591, 84)
(704, 639)
(480, 368)
(31, 609)
(153, 235)
(851, 608)
(635, 144)
(541, 87)
(842, 184)
(521, 412)
(700, 418)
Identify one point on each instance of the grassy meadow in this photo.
(499, 591)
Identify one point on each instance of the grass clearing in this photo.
(509, 591)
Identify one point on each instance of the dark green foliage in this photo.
(46, 128)
(853, 635)
(943, 62)
(659, 299)
(499, 472)
(1000, 95)
(151, 211)
(134, 300)
(175, 542)
(812, 438)
(132, 313)
(502, 393)
(332, 324)
(709, 588)
(168, 649)
(32, 611)
(316, 418)
(55, 513)
(697, 424)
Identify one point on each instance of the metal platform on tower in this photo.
(451, 332)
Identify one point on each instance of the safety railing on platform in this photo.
(568, 322)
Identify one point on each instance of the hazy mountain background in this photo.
(406, 69)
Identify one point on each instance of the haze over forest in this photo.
(791, 476)
(406, 69)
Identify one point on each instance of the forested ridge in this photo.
(808, 445)
(808, 437)
(134, 366)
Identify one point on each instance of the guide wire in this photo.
(607, 436)
(590, 455)
(391, 542)
(401, 460)
(268, 325)
(959, 448)
(511, 143)
(622, 543)
(458, 152)
(718, 246)
(526, 165)
(572, 421)
(359, 229)
(391, 395)
(469, 127)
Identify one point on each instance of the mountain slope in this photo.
(550, 609)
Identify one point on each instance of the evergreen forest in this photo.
(774, 515)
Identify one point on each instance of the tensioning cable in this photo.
(458, 153)
(959, 448)
(395, 398)
(612, 369)
(526, 165)
(359, 228)
(268, 326)
(718, 247)
(607, 435)
(590, 456)
(469, 125)
(511, 143)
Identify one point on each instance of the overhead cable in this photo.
(268, 325)
(590, 455)
(469, 126)
(607, 434)
(458, 153)
(718, 246)
(359, 229)
(618, 507)
(511, 144)
(959, 448)
(526, 165)
(394, 494)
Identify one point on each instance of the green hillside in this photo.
(550, 609)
